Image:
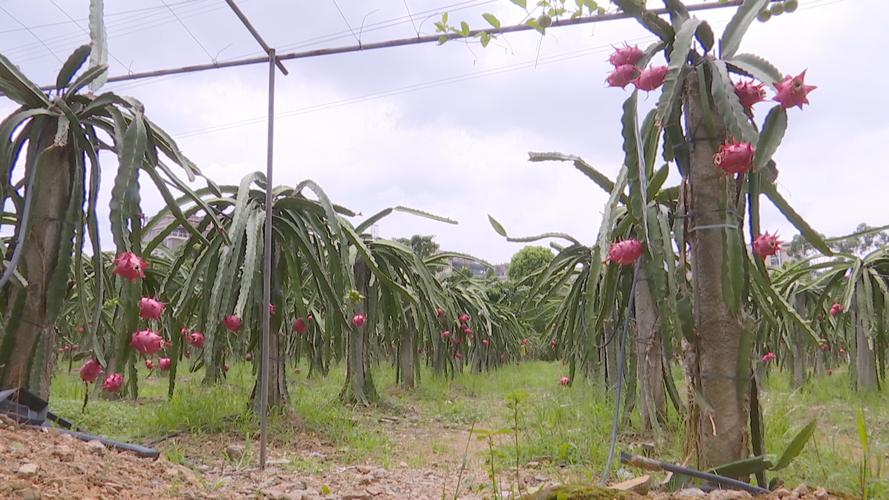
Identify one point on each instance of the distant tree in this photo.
(863, 240)
(528, 260)
(423, 245)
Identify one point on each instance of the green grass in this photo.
(558, 426)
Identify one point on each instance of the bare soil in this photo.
(44, 464)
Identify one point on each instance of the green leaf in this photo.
(672, 88)
(705, 36)
(585, 168)
(757, 67)
(649, 20)
(72, 64)
(737, 26)
(18, 87)
(464, 28)
(99, 38)
(86, 78)
(862, 432)
(796, 446)
(497, 226)
(678, 12)
(485, 38)
(130, 155)
(770, 136)
(794, 218)
(728, 104)
(521, 3)
(492, 20)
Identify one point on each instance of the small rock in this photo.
(28, 494)
(355, 495)
(364, 469)
(27, 470)
(691, 493)
(374, 491)
(96, 446)
(63, 453)
(801, 490)
(380, 473)
(728, 495)
(234, 452)
(821, 494)
(638, 485)
(781, 493)
(402, 465)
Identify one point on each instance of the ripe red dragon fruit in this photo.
(272, 309)
(458, 356)
(90, 371)
(149, 364)
(486, 342)
(750, 93)
(147, 342)
(164, 364)
(651, 78)
(623, 76)
(552, 344)
(232, 322)
(625, 252)
(225, 368)
(439, 312)
(841, 350)
(735, 157)
(184, 331)
(299, 326)
(766, 244)
(524, 341)
(150, 308)
(467, 331)
(358, 320)
(625, 55)
(129, 266)
(768, 357)
(310, 317)
(196, 339)
(464, 318)
(565, 380)
(836, 309)
(793, 91)
(112, 382)
(445, 334)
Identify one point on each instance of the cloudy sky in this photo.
(447, 129)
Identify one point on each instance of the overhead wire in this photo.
(63, 11)
(107, 15)
(187, 30)
(40, 40)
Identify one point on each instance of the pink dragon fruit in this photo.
(623, 76)
(750, 93)
(272, 309)
(467, 331)
(486, 342)
(768, 357)
(651, 78)
(299, 326)
(565, 381)
(836, 309)
(147, 342)
(735, 157)
(149, 364)
(458, 356)
(793, 91)
(625, 252)
(150, 308)
(129, 266)
(112, 382)
(439, 312)
(184, 331)
(232, 322)
(445, 334)
(464, 318)
(358, 320)
(625, 55)
(552, 344)
(766, 244)
(164, 364)
(90, 370)
(196, 339)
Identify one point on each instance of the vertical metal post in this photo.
(267, 272)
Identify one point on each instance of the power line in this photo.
(107, 14)
(185, 27)
(32, 34)
(84, 30)
(338, 9)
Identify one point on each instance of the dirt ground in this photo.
(44, 464)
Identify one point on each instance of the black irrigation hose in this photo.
(622, 352)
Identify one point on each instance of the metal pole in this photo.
(267, 273)
(394, 43)
(252, 30)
